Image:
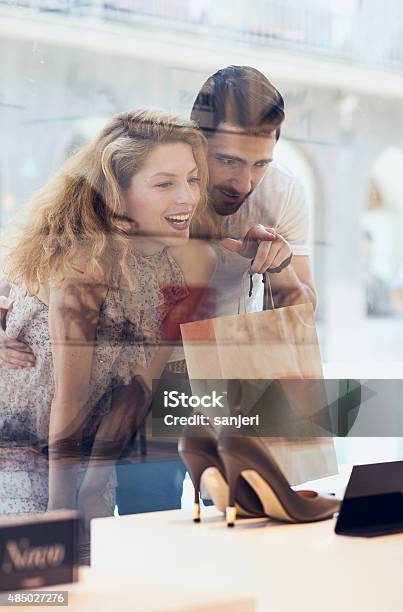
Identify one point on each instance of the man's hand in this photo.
(13, 353)
(265, 246)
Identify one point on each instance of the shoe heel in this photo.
(233, 471)
(230, 515)
(196, 465)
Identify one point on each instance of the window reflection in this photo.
(340, 139)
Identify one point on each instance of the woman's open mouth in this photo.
(179, 221)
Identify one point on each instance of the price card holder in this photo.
(373, 502)
(38, 550)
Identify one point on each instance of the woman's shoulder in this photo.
(87, 265)
(82, 284)
(197, 259)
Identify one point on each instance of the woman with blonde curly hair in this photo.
(102, 273)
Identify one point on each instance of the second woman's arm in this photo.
(74, 307)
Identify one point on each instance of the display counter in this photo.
(281, 567)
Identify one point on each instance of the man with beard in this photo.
(260, 206)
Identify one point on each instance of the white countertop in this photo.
(283, 567)
(119, 590)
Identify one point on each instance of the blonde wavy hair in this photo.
(84, 200)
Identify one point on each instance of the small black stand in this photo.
(373, 502)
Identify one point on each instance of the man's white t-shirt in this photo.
(279, 202)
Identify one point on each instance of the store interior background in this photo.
(68, 65)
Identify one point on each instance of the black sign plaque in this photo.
(38, 550)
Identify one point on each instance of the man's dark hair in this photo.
(241, 96)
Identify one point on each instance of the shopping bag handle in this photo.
(268, 295)
(267, 292)
(242, 295)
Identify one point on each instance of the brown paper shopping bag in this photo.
(266, 351)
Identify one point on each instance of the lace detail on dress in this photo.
(128, 334)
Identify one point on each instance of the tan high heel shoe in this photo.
(248, 458)
(198, 449)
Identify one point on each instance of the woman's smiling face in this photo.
(162, 196)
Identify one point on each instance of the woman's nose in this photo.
(186, 195)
